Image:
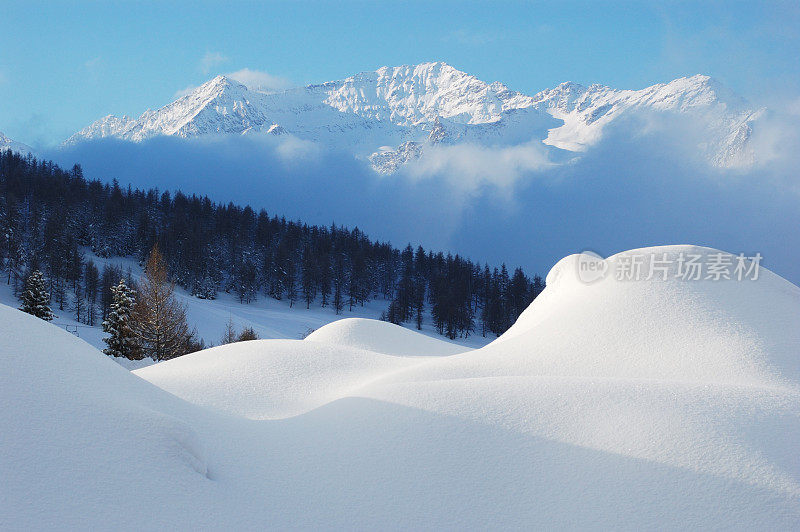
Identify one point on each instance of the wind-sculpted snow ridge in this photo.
(661, 402)
(414, 106)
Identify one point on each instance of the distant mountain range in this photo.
(392, 115)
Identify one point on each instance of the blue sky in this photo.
(63, 65)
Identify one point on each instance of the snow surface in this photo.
(616, 404)
(381, 337)
(413, 106)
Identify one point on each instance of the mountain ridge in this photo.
(371, 112)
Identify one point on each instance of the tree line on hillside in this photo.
(48, 214)
(143, 320)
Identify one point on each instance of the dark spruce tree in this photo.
(121, 340)
(35, 298)
(92, 282)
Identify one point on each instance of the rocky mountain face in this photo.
(390, 116)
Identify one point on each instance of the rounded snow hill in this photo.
(382, 337)
(269, 379)
(727, 331)
(664, 326)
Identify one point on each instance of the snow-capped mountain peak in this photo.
(220, 105)
(10, 144)
(436, 103)
(682, 95)
(215, 88)
(408, 95)
(587, 110)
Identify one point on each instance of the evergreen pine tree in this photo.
(338, 283)
(247, 334)
(122, 340)
(92, 277)
(110, 273)
(78, 304)
(60, 293)
(35, 299)
(393, 315)
(291, 283)
(308, 276)
(325, 279)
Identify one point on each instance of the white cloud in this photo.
(93, 63)
(470, 38)
(471, 167)
(793, 107)
(211, 60)
(259, 80)
(183, 92)
(291, 150)
(94, 67)
(776, 143)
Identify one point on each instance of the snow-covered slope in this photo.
(83, 442)
(8, 144)
(664, 404)
(434, 103)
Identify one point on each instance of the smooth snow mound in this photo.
(268, 379)
(665, 404)
(382, 337)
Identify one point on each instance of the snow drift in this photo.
(381, 337)
(625, 404)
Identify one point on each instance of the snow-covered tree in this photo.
(204, 287)
(121, 340)
(35, 298)
(247, 334)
